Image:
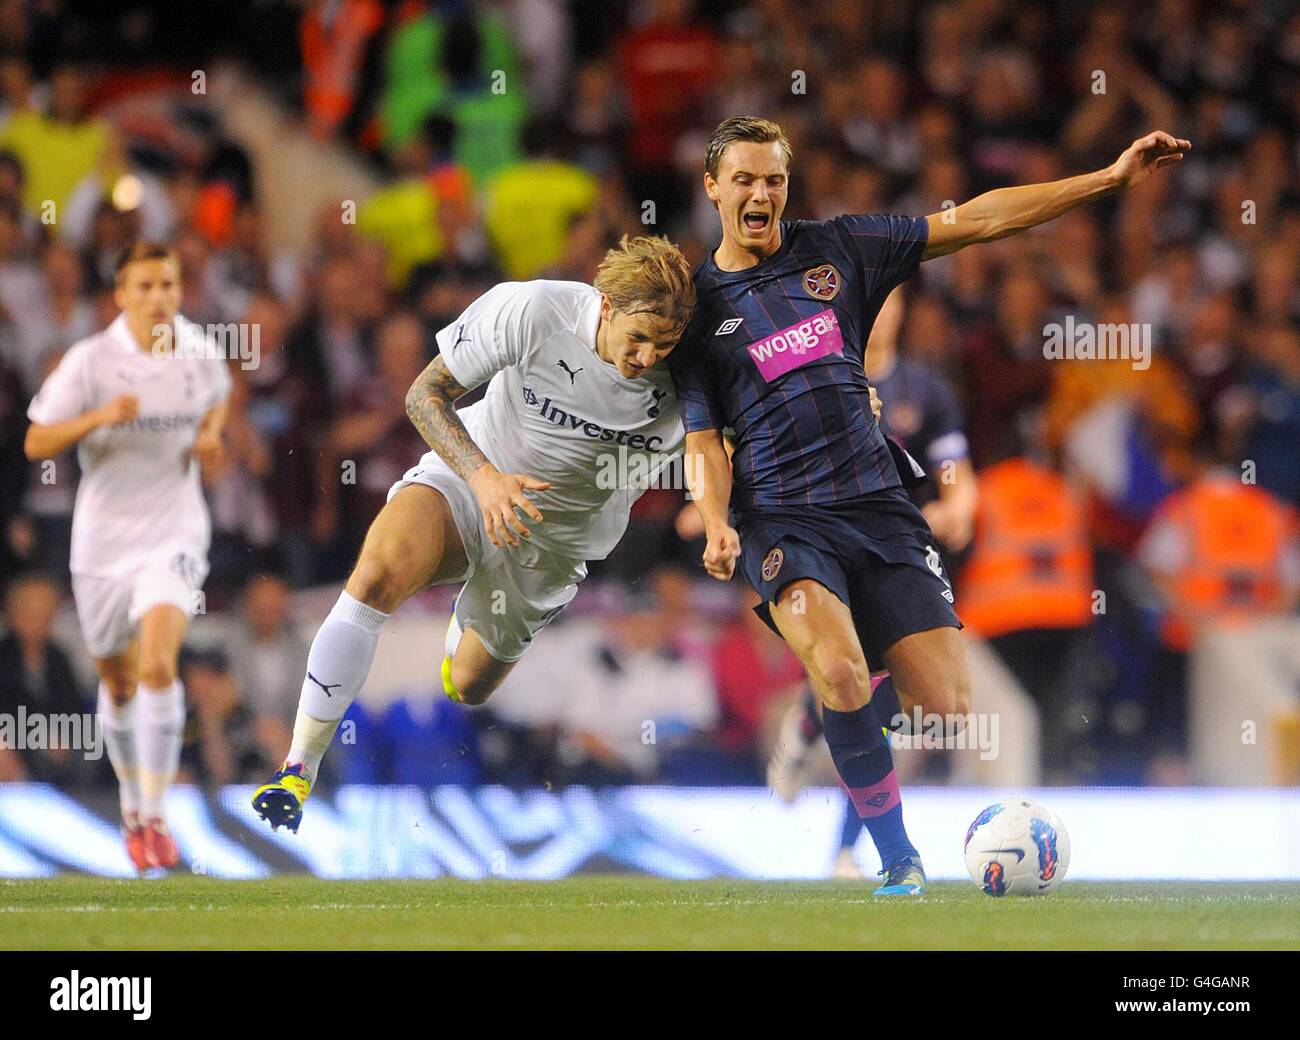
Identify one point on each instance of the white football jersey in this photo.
(555, 411)
(140, 498)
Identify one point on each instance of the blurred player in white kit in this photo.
(144, 401)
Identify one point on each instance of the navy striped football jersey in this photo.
(774, 353)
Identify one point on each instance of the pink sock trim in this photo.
(876, 799)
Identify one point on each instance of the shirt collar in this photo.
(119, 335)
(589, 322)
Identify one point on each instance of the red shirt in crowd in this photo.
(665, 69)
(751, 666)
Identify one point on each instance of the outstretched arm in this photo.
(430, 403)
(997, 214)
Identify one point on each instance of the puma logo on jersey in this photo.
(653, 411)
(323, 686)
(729, 326)
(460, 336)
(571, 373)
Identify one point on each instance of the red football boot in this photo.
(135, 846)
(159, 846)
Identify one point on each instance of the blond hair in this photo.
(743, 128)
(647, 275)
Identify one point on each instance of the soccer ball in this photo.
(1017, 847)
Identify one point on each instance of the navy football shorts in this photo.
(876, 554)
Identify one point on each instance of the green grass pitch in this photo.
(187, 912)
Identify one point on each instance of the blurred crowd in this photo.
(518, 139)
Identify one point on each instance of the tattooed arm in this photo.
(430, 403)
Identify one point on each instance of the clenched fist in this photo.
(721, 553)
(121, 409)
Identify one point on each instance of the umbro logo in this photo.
(878, 799)
(572, 373)
(729, 326)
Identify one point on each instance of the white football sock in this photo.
(117, 722)
(337, 666)
(311, 738)
(159, 729)
(454, 632)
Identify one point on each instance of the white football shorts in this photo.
(109, 609)
(509, 594)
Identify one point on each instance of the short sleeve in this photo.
(696, 387)
(490, 335)
(65, 394)
(948, 439)
(887, 247)
(220, 383)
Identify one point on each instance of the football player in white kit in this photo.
(144, 409)
(519, 489)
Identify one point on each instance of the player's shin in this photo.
(861, 755)
(810, 720)
(337, 666)
(159, 730)
(850, 825)
(118, 724)
(886, 705)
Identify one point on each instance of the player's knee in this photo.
(120, 687)
(957, 690)
(157, 673)
(843, 681)
(474, 689)
(378, 579)
(948, 694)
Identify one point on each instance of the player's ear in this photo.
(711, 187)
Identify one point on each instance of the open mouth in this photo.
(756, 221)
